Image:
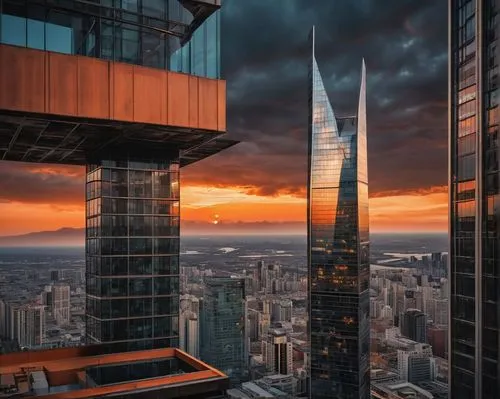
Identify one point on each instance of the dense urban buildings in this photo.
(474, 199)
(338, 246)
(132, 91)
(86, 373)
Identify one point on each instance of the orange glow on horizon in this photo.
(418, 212)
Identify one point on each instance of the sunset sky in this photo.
(261, 182)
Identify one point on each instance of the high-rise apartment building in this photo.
(61, 307)
(338, 246)
(277, 351)
(132, 91)
(223, 337)
(474, 181)
(281, 310)
(413, 325)
(28, 325)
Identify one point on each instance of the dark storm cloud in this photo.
(265, 58)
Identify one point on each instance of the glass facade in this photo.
(155, 33)
(223, 338)
(474, 200)
(338, 246)
(132, 253)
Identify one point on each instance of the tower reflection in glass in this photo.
(338, 246)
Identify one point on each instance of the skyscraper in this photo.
(28, 325)
(277, 351)
(61, 306)
(413, 324)
(132, 91)
(338, 246)
(223, 337)
(474, 341)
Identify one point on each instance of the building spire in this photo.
(312, 39)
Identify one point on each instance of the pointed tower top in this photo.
(312, 38)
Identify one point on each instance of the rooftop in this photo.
(79, 373)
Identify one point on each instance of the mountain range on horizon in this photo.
(68, 236)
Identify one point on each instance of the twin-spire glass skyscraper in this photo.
(338, 246)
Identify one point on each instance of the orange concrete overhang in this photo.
(62, 366)
(94, 101)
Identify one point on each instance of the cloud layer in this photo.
(265, 58)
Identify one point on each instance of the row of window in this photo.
(125, 287)
(130, 37)
(133, 307)
(138, 189)
(133, 226)
(132, 246)
(132, 265)
(125, 329)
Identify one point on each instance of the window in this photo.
(13, 30)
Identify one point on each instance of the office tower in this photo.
(386, 313)
(338, 246)
(416, 364)
(223, 337)
(277, 350)
(437, 338)
(193, 336)
(46, 297)
(28, 325)
(87, 373)
(439, 311)
(4, 307)
(54, 275)
(413, 324)
(61, 308)
(189, 334)
(281, 310)
(261, 274)
(253, 324)
(132, 91)
(474, 199)
(409, 301)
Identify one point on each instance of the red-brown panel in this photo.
(93, 88)
(63, 84)
(67, 377)
(178, 99)
(22, 78)
(123, 92)
(149, 86)
(193, 101)
(221, 105)
(207, 104)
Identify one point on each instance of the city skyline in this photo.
(266, 111)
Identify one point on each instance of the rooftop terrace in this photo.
(75, 373)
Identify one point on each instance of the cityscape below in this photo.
(262, 297)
